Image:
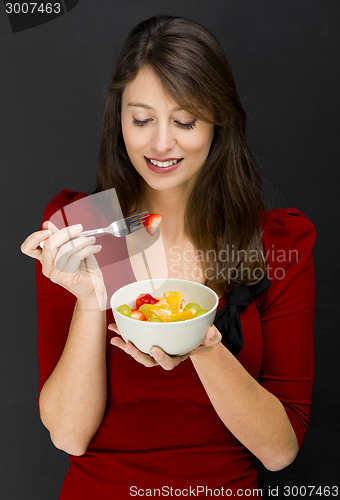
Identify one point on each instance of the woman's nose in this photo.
(163, 139)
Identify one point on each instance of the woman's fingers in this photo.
(132, 350)
(113, 327)
(62, 249)
(165, 361)
(49, 225)
(69, 249)
(32, 241)
(212, 336)
(90, 264)
(51, 246)
(118, 342)
(159, 357)
(73, 263)
(30, 246)
(60, 237)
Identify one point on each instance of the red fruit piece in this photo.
(145, 298)
(135, 314)
(152, 222)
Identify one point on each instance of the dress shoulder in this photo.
(287, 221)
(287, 229)
(62, 199)
(288, 241)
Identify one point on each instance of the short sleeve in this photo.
(287, 314)
(55, 304)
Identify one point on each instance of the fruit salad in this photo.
(171, 307)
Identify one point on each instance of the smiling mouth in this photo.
(163, 164)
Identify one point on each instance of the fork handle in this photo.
(93, 231)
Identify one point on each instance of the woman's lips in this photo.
(161, 170)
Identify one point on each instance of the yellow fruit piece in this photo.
(159, 311)
(174, 299)
(189, 314)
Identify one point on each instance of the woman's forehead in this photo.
(146, 90)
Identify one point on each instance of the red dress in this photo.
(160, 429)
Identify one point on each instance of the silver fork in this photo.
(121, 227)
(118, 228)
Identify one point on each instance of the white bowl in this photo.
(175, 338)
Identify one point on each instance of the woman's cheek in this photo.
(134, 140)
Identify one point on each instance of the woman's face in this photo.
(166, 145)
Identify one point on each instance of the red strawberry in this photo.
(135, 314)
(152, 222)
(145, 298)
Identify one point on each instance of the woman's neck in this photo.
(171, 205)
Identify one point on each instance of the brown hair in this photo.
(223, 208)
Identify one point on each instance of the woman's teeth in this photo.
(164, 163)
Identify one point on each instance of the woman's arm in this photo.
(72, 400)
(270, 417)
(71, 335)
(254, 415)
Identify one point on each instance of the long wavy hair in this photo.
(223, 208)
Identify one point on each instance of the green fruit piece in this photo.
(145, 310)
(193, 305)
(199, 313)
(155, 320)
(124, 309)
(173, 320)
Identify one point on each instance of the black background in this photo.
(285, 56)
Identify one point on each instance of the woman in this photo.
(174, 143)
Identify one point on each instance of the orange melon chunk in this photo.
(161, 311)
(174, 300)
(183, 315)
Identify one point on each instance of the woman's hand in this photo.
(67, 259)
(158, 357)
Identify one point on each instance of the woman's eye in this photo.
(140, 123)
(187, 125)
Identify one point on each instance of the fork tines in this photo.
(136, 219)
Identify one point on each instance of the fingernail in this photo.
(47, 232)
(92, 239)
(78, 227)
(154, 353)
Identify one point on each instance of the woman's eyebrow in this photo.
(146, 106)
